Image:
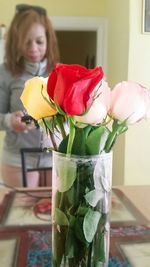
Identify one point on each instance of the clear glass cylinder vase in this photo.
(81, 188)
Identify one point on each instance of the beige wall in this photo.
(137, 149)
(55, 8)
(128, 59)
(118, 49)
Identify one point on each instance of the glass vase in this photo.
(81, 188)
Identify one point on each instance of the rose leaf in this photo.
(90, 224)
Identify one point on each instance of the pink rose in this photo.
(100, 106)
(71, 86)
(130, 101)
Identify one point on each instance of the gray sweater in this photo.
(10, 92)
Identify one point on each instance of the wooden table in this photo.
(21, 226)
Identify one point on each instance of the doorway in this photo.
(82, 40)
(81, 46)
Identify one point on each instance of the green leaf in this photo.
(58, 245)
(94, 196)
(79, 229)
(100, 252)
(90, 224)
(66, 172)
(82, 210)
(60, 217)
(87, 130)
(78, 147)
(96, 140)
(70, 244)
(71, 219)
(72, 196)
(57, 198)
(63, 145)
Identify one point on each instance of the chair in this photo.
(42, 169)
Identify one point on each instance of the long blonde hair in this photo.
(20, 24)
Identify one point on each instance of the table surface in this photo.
(130, 225)
(139, 196)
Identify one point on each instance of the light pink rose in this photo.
(130, 101)
(100, 106)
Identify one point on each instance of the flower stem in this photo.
(110, 141)
(60, 123)
(71, 135)
(53, 140)
(117, 129)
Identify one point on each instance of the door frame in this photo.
(98, 24)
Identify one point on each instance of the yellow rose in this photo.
(33, 101)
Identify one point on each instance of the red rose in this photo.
(71, 87)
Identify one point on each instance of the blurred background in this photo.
(107, 33)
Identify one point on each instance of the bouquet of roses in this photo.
(82, 98)
(96, 116)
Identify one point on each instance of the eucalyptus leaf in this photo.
(90, 224)
(94, 196)
(60, 217)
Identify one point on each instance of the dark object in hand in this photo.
(28, 119)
